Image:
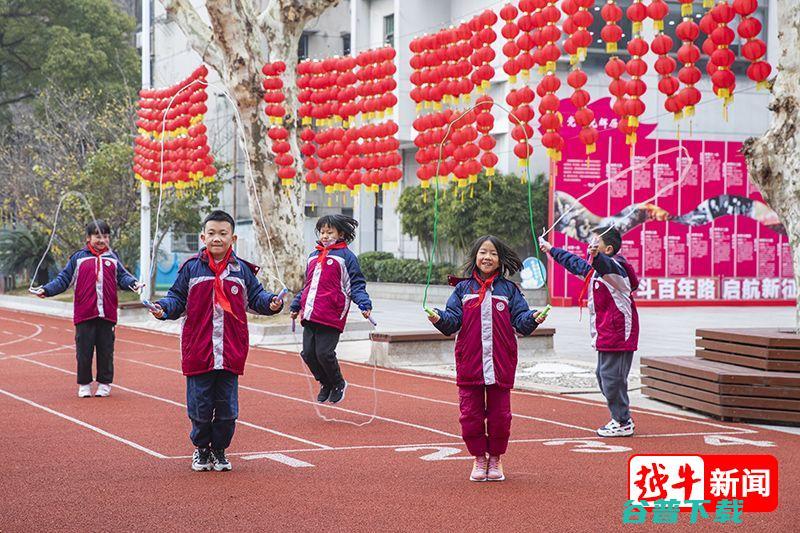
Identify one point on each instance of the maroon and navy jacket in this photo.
(329, 288)
(486, 346)
(95, 292)
(212, 339)
(613, 319)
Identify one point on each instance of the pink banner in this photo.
(711, 238)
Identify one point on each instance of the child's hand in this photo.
(137, 286)
(157, 311)
(434, 317)
(544, 246)
(294, 315)
(366, 313)
(276, 303)
(538, 318)
(38, 291)
(594, 247)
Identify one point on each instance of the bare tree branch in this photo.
(292, 14)
(199, 34)
(17, 99)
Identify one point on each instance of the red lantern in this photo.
(658, 11)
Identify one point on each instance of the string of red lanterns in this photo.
(275, 111)
(688, 55)
(579, 18)
(754, 49)
(172, 149)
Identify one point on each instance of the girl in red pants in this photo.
(486, 307)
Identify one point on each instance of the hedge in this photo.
(384, 267)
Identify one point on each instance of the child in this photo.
(333, 278)
(487, 308)
(613, 320)
(96, 272)
(214, 290)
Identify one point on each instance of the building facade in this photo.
(357, 25)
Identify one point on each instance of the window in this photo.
(302, 47)
(185, 242)
(388, 29)
(346, 44)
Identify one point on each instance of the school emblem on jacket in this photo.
(108, 263)
(234, 290)
(500, 306)
(329, 261)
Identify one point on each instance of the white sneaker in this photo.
(103, 390)
(84, 391)
(615, 429)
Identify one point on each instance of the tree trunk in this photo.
(237, 45)
(773, 160)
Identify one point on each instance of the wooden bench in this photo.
(430, 347)
(724, 390)
(763, 348)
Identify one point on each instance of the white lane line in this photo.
(301, 400)
(84, 424)
(427, 399)
(279, 457)
(25, 338)
(178, 404)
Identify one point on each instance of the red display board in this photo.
(710, 239)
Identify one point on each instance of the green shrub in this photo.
(384, 267)
(367, 260)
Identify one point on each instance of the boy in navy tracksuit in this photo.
(97, 272)
(613, 320)
(213, 292)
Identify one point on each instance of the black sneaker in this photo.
(221, 462)
(337, 394)
(324, 393)
(201, 460)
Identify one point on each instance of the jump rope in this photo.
(545, 231)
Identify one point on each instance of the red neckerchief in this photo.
(323, 250)
(219, 290)
(97, 255)
(586, 283)
(484, 284)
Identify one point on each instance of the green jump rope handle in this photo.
(430, 311)
(543, 312)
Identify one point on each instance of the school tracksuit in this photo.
(613, 321)
(96, 278)
(333, 279)
(214, 343)
(486, 357)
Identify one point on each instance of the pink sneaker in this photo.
(479, 469)
(495, 470)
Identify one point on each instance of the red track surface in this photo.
(122, 463)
